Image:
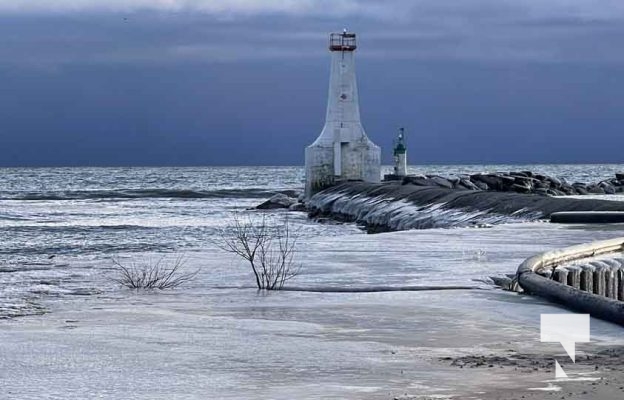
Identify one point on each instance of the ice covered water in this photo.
(59, 227)
(217, 337)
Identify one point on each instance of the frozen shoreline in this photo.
(199, 342)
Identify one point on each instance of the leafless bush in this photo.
(269, 248)
(152, 275)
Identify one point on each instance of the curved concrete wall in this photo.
(537, 276)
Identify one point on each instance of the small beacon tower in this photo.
(342, 151)
(400, 155)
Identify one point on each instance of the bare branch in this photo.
(269, 248)
(148, 275)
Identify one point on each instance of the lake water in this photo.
(80, 335)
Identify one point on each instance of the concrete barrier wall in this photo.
(595, 287)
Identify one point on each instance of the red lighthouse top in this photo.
(344, 41)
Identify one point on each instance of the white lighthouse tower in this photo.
(342, 151)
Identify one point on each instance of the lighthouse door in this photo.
(337, 159)
(343, 161)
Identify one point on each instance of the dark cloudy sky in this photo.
(216, 82)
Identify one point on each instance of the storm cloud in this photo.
(244, 82)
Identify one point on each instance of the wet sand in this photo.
(298, 345)
(597, 374)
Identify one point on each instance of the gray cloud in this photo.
(209, 81)
(590, 9)
(215, 7)
(52, 34)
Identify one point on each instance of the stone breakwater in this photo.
(518, 182)
(393, 206)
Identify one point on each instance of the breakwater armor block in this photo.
(342, 152)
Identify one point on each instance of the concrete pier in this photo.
(393, 207)
(588, 217)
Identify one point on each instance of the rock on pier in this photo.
(518, 182)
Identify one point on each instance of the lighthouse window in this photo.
(343, 96)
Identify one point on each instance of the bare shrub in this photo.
(152, 275)
(269, 248)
